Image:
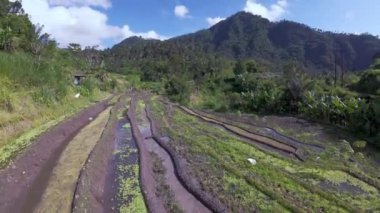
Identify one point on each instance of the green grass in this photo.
(274, 184)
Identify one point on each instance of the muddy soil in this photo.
(96, 188)
(147, 144)
(58, 196)
(181, 167)
(24, 181)
(147, 180)
(185, 199)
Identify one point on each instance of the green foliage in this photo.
(16, 30)
(359, 145)
(245, 36)
(369, 82)
(178, 89)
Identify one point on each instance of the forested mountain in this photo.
(244, 35)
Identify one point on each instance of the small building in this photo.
(79, 78)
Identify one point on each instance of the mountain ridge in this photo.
(244, 36)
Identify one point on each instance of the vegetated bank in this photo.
(37, 88)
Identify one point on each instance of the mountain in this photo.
(136, 40)
(244, 35)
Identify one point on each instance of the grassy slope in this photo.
(34, 97)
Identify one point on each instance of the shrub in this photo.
(178, 90)
(369, 82)
(359, 145)
(88, 86)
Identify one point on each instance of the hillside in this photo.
(244, 35)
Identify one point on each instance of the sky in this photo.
(104, 23)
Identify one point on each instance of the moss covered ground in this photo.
(218, 161)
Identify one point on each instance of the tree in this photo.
(296, 84)
(74, 47)
(16, 8)
(4, 7)
(239, 68)
(178, 89)
(251, 66)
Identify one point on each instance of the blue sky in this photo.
(106, 22)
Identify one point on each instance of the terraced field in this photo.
(142, 153)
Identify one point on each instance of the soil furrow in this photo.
(95, 189)
(62, 183)
(187, 199)
(147, 181)
(176, 195)
(182, 176)
(23, 183)
(291, 149)
(272, 133)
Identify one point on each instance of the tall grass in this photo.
(35, 91)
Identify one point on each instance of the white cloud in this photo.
(70, 3)
(78, 24)
(150, 34)
(215, 20)
(273, 13)
(181, 11)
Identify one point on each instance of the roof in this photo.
(79, 74)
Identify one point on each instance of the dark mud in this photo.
(23, 183)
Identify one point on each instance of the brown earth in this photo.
(147, 144)
(147, 181)
(96, 190)
(185, 199)
(24, 181)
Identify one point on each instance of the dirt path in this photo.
(61, 187)
(26, 178)
(96, 189)
(252, 137)
(146, 175)
(147, 145)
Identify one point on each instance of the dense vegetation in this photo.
(32, 61)
(37, 79)
(249, 64)
(244, 36)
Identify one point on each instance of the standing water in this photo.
(126, 170)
